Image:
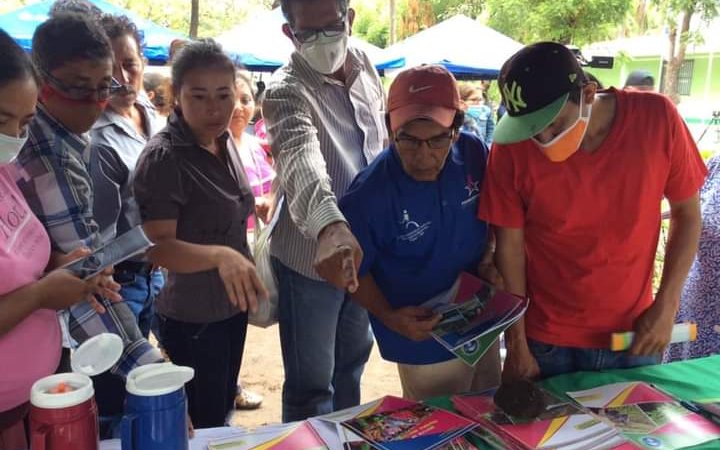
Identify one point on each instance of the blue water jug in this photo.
(156, 408)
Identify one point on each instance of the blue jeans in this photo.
(326, 341)
(555, 360)
(139, 292)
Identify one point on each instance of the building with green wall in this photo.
(698, 83)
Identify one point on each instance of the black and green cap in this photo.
(535, 83)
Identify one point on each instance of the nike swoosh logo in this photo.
(415, 90)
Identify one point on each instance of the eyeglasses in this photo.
(309, 36)
(83, 93)
(442, 141)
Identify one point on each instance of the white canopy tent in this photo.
(464, 46)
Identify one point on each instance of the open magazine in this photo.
(329, 426)
(648, 417)
(560, 426)
(416, 426)
(474, 315)
(125, 246)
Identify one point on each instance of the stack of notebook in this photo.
(560, 426)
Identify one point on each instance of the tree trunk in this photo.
(393, 22)
(677, 56)
(672, 39)
(194, 18)
(641, 16)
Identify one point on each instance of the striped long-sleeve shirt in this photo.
(322, 133)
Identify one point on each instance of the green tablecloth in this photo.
(696, 380)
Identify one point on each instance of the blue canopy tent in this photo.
(21, 24)
(260, 45)
(467, 48)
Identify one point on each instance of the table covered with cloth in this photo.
(694, 380)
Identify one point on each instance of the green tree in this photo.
(678, 16)
(417, 15)
(575, 22)
(194, 18)
(445, 9)
(9, 5)
(414, 16)
(642, 17)
(393, 20)
(372, 22)
(214, 16)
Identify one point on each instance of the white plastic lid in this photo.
(158, 379)
(79, 389)
(97, 355)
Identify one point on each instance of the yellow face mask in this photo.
(565, 144)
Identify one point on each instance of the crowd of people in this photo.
(376, 202)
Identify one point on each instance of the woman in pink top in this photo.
(29, 331)
(259, 172)
(260, 175)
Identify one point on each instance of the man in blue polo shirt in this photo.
(413, 211)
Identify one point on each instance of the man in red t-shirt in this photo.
(574, 186)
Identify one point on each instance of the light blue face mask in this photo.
(477, 112)
(10, 147)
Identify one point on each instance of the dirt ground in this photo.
(262, 372)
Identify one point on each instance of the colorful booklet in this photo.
(562, 425)
(416, 427)
(293, 436)
(648, 417)
(329, 427)
(474, 315)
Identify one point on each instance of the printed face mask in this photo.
(565, 144)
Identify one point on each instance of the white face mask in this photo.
(326, 54)
(10, 147)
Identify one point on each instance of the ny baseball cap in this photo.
(423, 92)
(535, 83)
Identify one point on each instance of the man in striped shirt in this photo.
(324, 112)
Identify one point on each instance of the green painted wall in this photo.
(608, 77)
(715, 79)
(616, 76)
(652, 65)
(700, 66)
